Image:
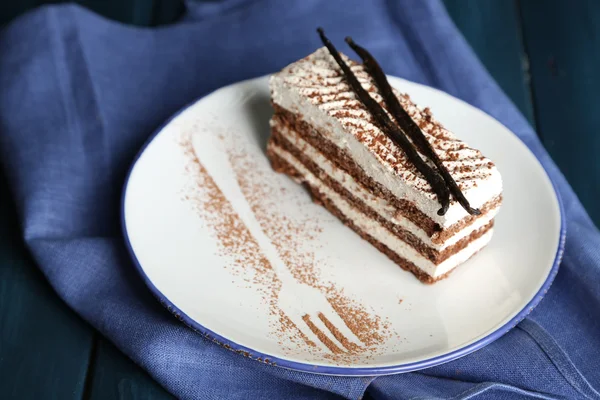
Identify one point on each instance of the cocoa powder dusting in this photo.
(368, 327)
(290, 327)
(286, 235)
(352, 347)
(322, 337)
(289, 237)
(233, 237)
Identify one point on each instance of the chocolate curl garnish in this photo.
(407, 125)
(390, 129)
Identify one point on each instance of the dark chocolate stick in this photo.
(390, 129)
(407, 125)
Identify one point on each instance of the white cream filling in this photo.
(332, 129)
(378, 204)
(380, 232)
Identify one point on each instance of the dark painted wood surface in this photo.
(563, 42)
(136, 12)
(493, 30)
(554, 42)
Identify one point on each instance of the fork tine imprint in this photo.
(349, 345)
(329, 335)
(321, 335)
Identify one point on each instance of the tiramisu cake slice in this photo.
(381, 164)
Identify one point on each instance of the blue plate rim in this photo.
(332, 370)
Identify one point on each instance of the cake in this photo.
(381, 164)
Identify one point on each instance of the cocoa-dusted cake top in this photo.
(384, 166)
(318, 79)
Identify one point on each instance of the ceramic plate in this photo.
(242, 255)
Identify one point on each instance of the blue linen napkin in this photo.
(80, 94)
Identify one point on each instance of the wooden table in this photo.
(545, 54)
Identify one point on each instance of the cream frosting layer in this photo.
(314, 88)
(379, 232)
(376, 203)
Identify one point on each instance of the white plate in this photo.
(175, 247)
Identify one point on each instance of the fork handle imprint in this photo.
(228, 185)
